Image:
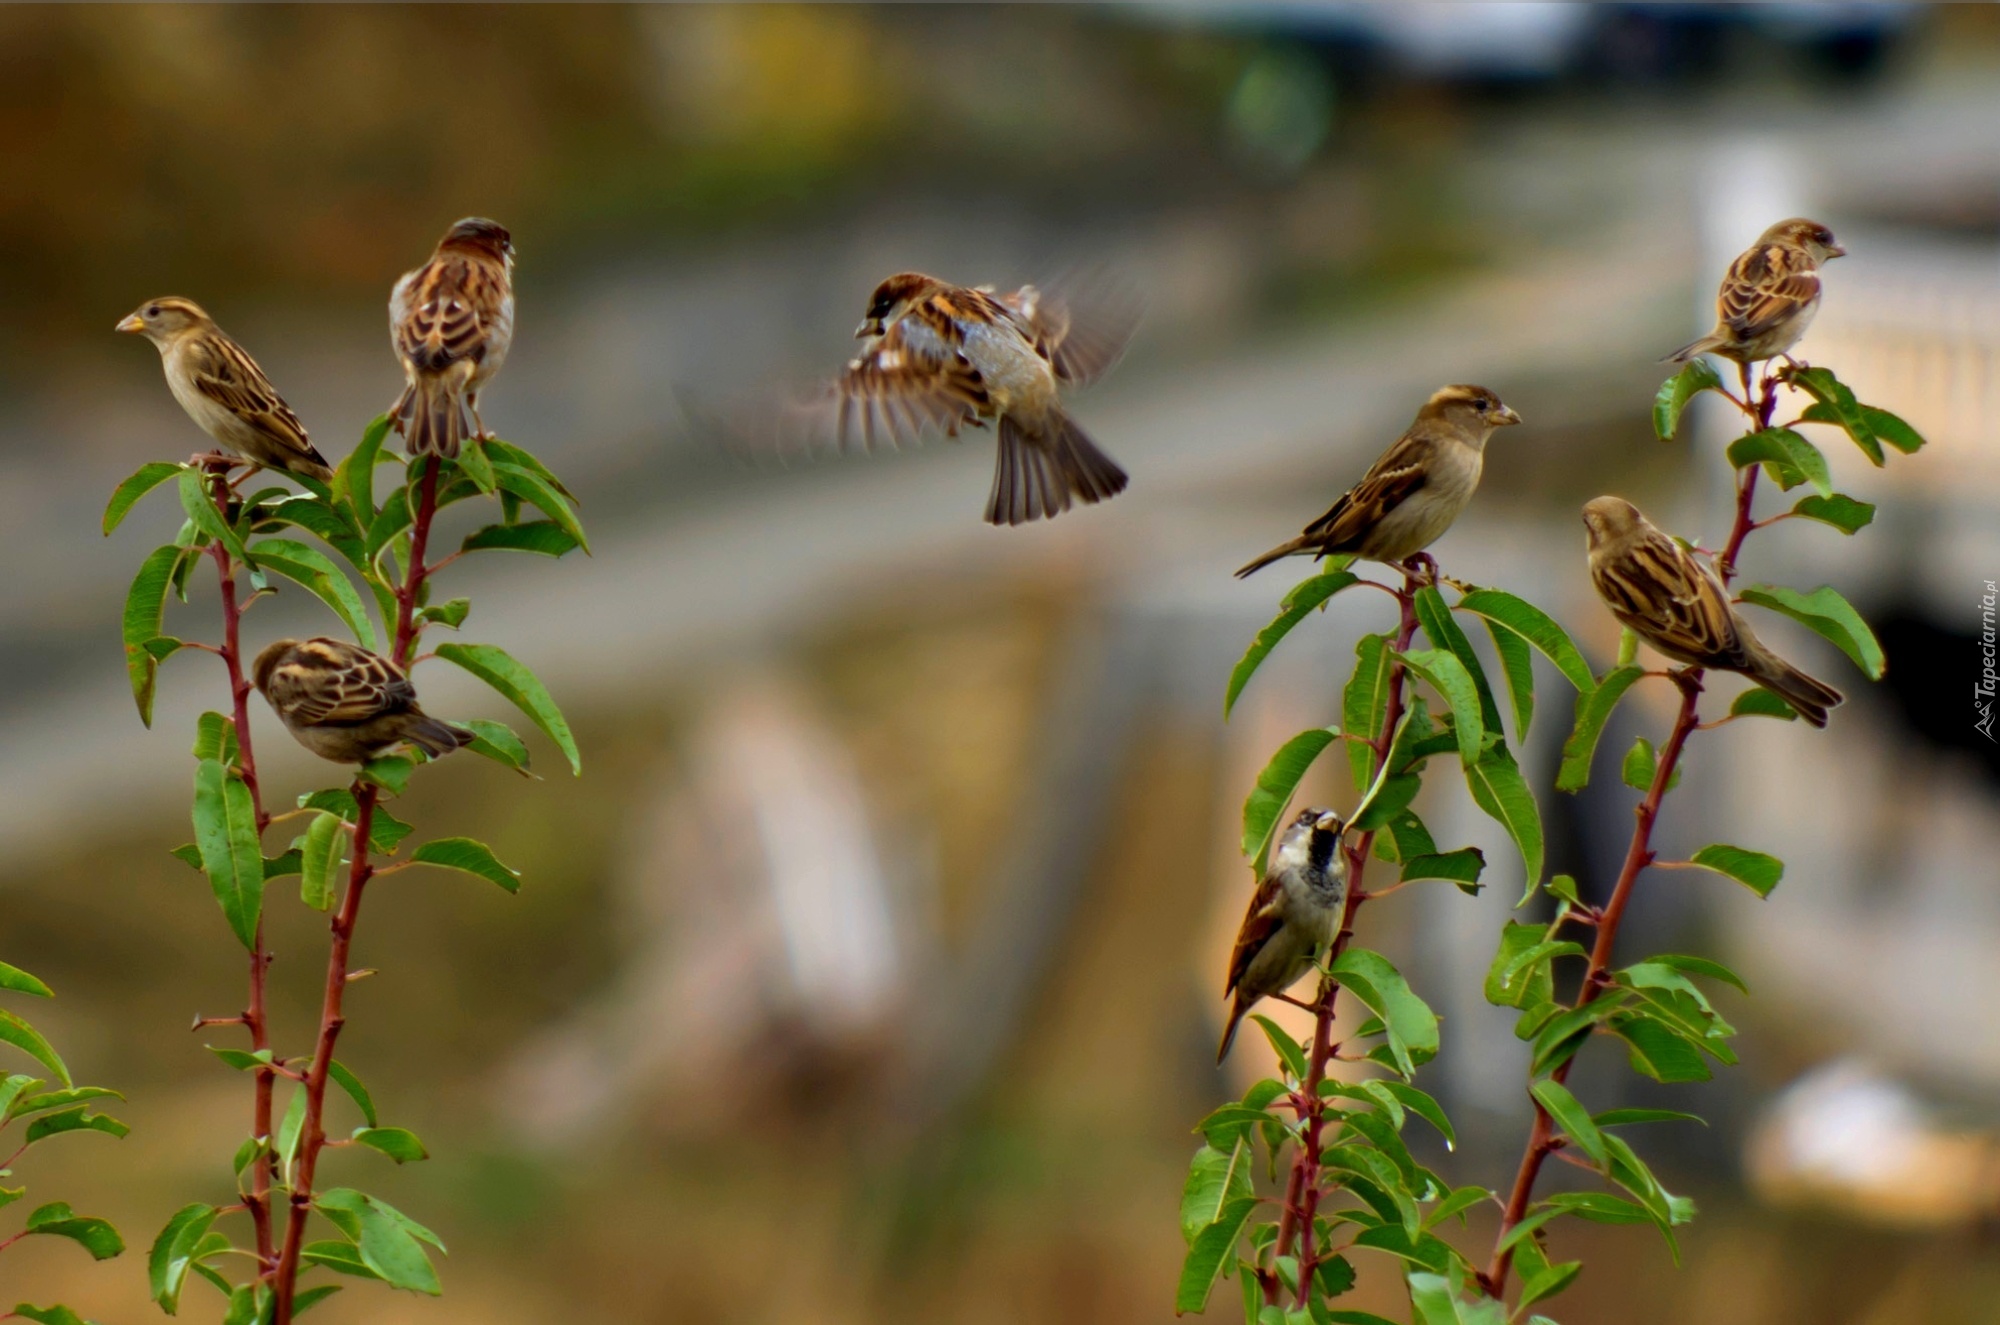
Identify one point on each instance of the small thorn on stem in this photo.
(240, 1019)
(361, 974)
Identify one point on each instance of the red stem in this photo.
(312, 1136)
(1542, 1140)
(1302, 1192)
(255, 1020)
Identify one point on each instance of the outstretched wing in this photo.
(1080, 323)
(908, 384)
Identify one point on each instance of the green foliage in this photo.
(1787, 457)
(1753, 869)
(518, 686)
(1677, 391)
(1593, 709)
(1303, 598)
(1265, 806)
(1827, 614)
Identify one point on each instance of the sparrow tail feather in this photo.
(1694, 347)
(1035, 477)
(1236, 1011)
(436, 738)
(433, 418)
(1278, 553)
(1810, 697)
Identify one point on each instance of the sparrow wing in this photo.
(1080, 324)
(449, 307)
(908, 383)
(224, 372)
(1389, 482)
(332, 682)
(1659, 589)
(1764, 287)
(1260, 922)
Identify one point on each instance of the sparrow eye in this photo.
(153, 311)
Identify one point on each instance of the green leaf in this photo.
(474, 858)
(225, 830)
(1761, 703)
(398, 1143)
(1447, 675)
(386, 832)
(1642, 764)
(1753, 869)
(1593, 710)
(1375, 1169)
(1558, 1040)
(510, 454)
(1303, 598)
(241, 1059)
(1701, 966)
(1437, 1302)
(215, 738)
(1627, 1117)
(1290, 1052)
(128, 493)
(1514, 980)
(473, 462)
(450, 614)
(145, 613)
(1276, 783)
(545, 537)
(1892, 430)
(1422, 1105)
(1410, 837)
(533, 489)
(1572, 1117)
(520, 687)
(391, 520)
(320, 856)
(93, 1235)
(343, 1077)
(1834, 403)
(1391, 800)
(306, 1298)
(1517, 666)
(340, 1257)
(1230, 1123)
(1843, 513)
(1631, 1173)
(1826, 613)
(1213, 1248)
(311, 569)
(54, 1314)
(173, 1253)
(1658, 1051)
(18, 980)
(1675, 393)
(1787, 457)
(1461, 1200)
(389, 772)
(1443, 631)
(1365, 700)
(1499, 789)
(1215, 1178)
(50, 1099)
(332, 524)
(1370, 977)
(28, 1040)
(496, 741)
(1549, 1282)
(77, 1119)
(354, 480)
(1538, 628)
(200, 507)
(1462, 867)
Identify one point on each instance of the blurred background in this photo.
(871, 972)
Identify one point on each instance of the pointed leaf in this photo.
(1761, 703)
(93, 1235)
(1892, 430)
(474, 858)
(1377, 983)
(173, 1253)
(1572, 1117)
(1675, 393)
(225, 831)
(312, 570)
(1365, 700)
(531, 488)
(1447, 675)
(28, 1040)
(496, 741)
(1826, 613)
(1215, 1178)
(354, 480)
(145, 613)
(1437, 1302)
(1787, 457)
(1303, 598)
(1462, 867)
(1442, 630)
(1834, 403)
(1213, 1248)
(343, 1077)
(200, 507)
(1753, 869)
(1499, 789)
(545, 537)
(1593, 709)
(1842, 512)
(520, 687)
(1276, 783)
(398, 1143)
(320, 857)
(128, 493)
(18, 980)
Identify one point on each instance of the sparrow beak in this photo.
(130, 323)
(1330, 822)
(1504, 417)
(1835, 251)
(870, 326)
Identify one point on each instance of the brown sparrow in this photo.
(1677, 605)
(1409, 497)
(941, 357)
(346, 704)
(1293, 915)
(222, 388)
(451, 321)
(1769, 295)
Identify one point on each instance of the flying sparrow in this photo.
(1677, 605)
(451, 321)
(941, 357)
(1769, 295)
(222, 388)
(346, 704)
(1410, 496)
(1293, 915)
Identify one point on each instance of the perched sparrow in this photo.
(1292, 918)
(346, 704)
(1677, 605)
(941, 357)
(222, 388)
(1409, 497)
(451, 321)
(1769, 295)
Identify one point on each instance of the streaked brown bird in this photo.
(1769, 295)
(1410, 496)
(1293, 915)
(451, 321)
(346, 704)
(1676, 604)
(222, 388)
(941, 357)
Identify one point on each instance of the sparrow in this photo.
(1676, 604)
(1410, 496)
(939, 357)
(451, 321)
(1769, 295)
(222, 388)
(346, 704)
(1293, 915)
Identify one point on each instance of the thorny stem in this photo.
(255, 1020)
(1542, 1140)
(1302, 1191)
(312, 1135)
